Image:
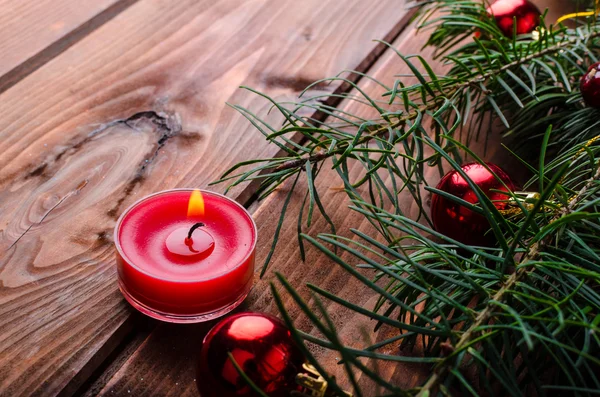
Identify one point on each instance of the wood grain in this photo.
(136, 107)
(164, 364)
(34, 32)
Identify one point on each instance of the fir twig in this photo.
(463, 303)
(521, 273)
(482, 78)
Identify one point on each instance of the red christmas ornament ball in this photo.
(590, 86)
(526, 13)
(458, 222)
(262, 347)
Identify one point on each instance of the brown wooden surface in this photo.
(163, 364)
(135, 107)
(33, 32)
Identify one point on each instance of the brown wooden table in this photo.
(72, 74)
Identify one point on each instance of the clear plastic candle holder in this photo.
(184, 262)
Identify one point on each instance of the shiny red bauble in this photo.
(590, 86)
(460, 223)
(262, 347)
(505, 11)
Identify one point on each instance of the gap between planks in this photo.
(248, 196)
(33, 63)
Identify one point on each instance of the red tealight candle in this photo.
(185, 256)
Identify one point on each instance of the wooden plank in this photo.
(164, 364)
(33, 32)
(136, 107)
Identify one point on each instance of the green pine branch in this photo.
(526, 313)
(521, 273)
(433, 104)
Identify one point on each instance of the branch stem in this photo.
(300, 162)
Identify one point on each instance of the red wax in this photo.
(178, 243)
(166, 276)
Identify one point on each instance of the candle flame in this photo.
(196, 204)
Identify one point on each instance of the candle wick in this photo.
(194, 227)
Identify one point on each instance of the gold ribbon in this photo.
(587, 144)
(580, 14)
